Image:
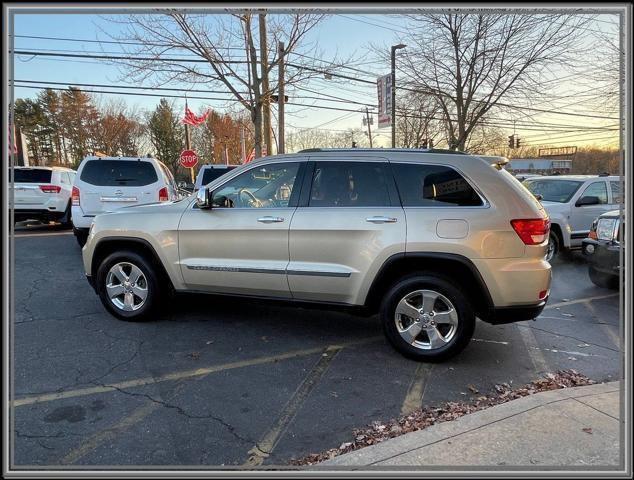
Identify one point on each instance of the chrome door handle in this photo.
(269, 219)
(381, 219)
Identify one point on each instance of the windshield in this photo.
(559, 191)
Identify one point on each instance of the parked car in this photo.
(525, 176)
(209, 173)
(428, 239)
(43, 194)
(603, 249)
(572, 203)
(105, 184)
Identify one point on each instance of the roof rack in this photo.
(399, 150)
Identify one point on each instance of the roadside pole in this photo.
(188, 147)
(266, 97)
(367, 119)
(280, 98)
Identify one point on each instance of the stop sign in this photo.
(188, 158)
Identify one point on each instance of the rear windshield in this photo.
(559, 191)
(211, 174)
(27, 175)
(131, 173)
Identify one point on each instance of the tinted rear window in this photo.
(22, 175)
(433, 186)
(211, 174)
(119, 173)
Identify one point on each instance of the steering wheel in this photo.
(251, 200)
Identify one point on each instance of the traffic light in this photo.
(517, 142)
(511, 141)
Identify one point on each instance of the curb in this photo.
(387, 449)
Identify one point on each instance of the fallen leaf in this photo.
(587, 430)
(194, 355)
(473, 389)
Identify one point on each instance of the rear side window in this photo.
(210, 174)
(433, 186)
(23, 175)
(617, 196)
(112, 173)
(349, 184)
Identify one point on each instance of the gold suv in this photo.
(429, 239)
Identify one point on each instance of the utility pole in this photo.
(266, 97)
(242, 145)
(367, 119)
(188, 142)
(393, 77)
(280, 98)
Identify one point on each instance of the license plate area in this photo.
(118, 199)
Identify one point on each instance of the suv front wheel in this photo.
(128, 286)
(426, 318)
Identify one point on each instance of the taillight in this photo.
(50, 188)
(532, 231)
(75, 196)
(163, 195)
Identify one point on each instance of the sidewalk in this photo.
(571, 427)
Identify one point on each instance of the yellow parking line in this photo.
(269, 440)
(534, 352)
(414, 397)
(579, 300)
(139, 382)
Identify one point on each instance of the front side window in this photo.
(267, 186)
(597, 189)
(433, 186)
(617, 195)
(124, 173)
(560, 191)
(349, 184)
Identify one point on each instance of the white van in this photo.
(105, 184)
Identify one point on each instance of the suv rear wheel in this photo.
(426, 318)
(128, 286)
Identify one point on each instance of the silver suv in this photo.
(429, 239)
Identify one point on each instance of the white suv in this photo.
(42, 193)
(572, 203)
(105, 184)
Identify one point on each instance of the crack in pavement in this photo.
(181, 411)
(568, 336)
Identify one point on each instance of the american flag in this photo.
(192, 119)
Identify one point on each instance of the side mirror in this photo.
(538, 197)
(203, 198)
(588, 200)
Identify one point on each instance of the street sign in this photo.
(188, 158)
(384, 91)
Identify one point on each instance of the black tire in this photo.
(81, 237)
(466, 316)
(154, 293)
(603, 280)
(554, 246)
(67, 219)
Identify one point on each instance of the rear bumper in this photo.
(518, 313)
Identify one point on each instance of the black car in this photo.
(603, 249)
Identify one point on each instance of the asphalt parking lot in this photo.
(225, 382)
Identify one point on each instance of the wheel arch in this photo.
(109, 245)
(449, 265)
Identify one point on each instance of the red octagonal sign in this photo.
(188, 158)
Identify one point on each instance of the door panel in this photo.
(240, 245)
(344, 230)
(227, 250)
(583, 216)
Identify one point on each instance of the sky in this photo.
(339, 36)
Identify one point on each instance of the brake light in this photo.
(75, 196)
(163, 195)
(532, 231)
(50, 188)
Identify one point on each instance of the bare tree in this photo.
(160, 40)
(473, 62)
(417, 124)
